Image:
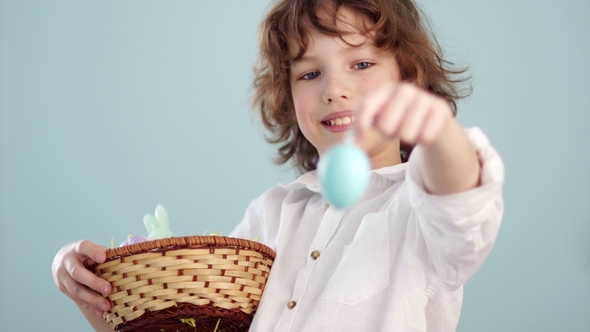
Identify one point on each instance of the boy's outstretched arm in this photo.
(458, 230)
(448, 161)
(449, 164)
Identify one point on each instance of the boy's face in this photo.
(332, 82)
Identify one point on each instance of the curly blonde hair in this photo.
(396, 26)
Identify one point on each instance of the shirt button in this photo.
(291, 304)
(315, 254)
(326, 207)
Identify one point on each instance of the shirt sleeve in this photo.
(460, 229)
(253, 226)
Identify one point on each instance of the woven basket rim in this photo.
(183, 242)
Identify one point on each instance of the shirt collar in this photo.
(310, 179)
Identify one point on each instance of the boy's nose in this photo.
(336, 88)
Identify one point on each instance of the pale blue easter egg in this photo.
(343, 172)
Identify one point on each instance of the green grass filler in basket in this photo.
(163, 283)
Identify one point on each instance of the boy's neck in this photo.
(386, 155)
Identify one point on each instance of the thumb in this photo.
(96, 252)
(100, 253)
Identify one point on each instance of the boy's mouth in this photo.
(345, 120)
(338, 123)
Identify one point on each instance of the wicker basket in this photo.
(193, 283)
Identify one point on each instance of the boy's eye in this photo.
(310, 76)
(363, 65)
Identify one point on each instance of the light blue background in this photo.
(108, 108)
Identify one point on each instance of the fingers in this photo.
(77, 282)
(406, 112)
(391, 116)
(94, 251)
(90, 308)
(372, 106)
(80, 274)
(414, 120)
(86, 297)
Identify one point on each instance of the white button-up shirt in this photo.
(395, 261)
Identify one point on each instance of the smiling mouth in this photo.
(341, 121)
